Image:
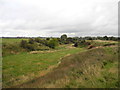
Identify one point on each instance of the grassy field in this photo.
(12, 40)
(102, 42)
(25, 66)
(65, 66)
(97, 68)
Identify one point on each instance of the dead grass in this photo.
(105, 41)
(69, 46)
(49, 51)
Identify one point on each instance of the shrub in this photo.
(31, 47)
(31, 41)
(8, 49)
(23, 43)
(81, 43)
(76, 44)
(53, 43)
(48, 39)
(37, 40)
(109, 44)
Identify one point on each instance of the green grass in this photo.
(15, 66)
(11, 40)
(11, 46)
(83, 70)
(101, 43)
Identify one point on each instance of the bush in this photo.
(53, 43)
(81, 43)
(31, 47)
(37, 40)
(47, 39)
(31, 41)
(109, 44)
(76, 44)
(9, 49)
(23, 43)
(37, 44)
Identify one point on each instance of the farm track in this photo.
(51, 51)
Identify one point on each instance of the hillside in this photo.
(96, 68)
(85, 64)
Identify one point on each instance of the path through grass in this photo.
(95, 68)
(25, 66)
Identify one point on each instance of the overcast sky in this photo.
(56, 17)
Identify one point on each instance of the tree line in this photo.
(36, 43)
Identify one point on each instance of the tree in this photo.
(47, 39)
(105, 38)
(64, 38)
(90, 38)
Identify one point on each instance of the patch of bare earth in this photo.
(105, 41)
(49, 51)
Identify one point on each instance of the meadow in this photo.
(12, 40)
(65, 66)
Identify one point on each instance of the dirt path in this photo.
(104, 46)
(69, 46)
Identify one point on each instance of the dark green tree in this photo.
(105, 38)
(64, 38)
(47, 39)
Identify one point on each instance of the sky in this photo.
(52, 18)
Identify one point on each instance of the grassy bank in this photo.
(12, 40)
(65, 66)
(25, 66)
(96, 68)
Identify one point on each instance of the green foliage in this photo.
(8, 49)
(12, 40)
(81, 70)
(63, 39)
(26, 64)
(70, 40)
(24, 44)
(82, 43)
(32, 47)
(105, 38)
(37, 40)
(53, 43)
(48, 39)
(31, 41)
(94, 68)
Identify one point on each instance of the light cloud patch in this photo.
(56, 17)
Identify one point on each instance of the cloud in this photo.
(55, 17)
